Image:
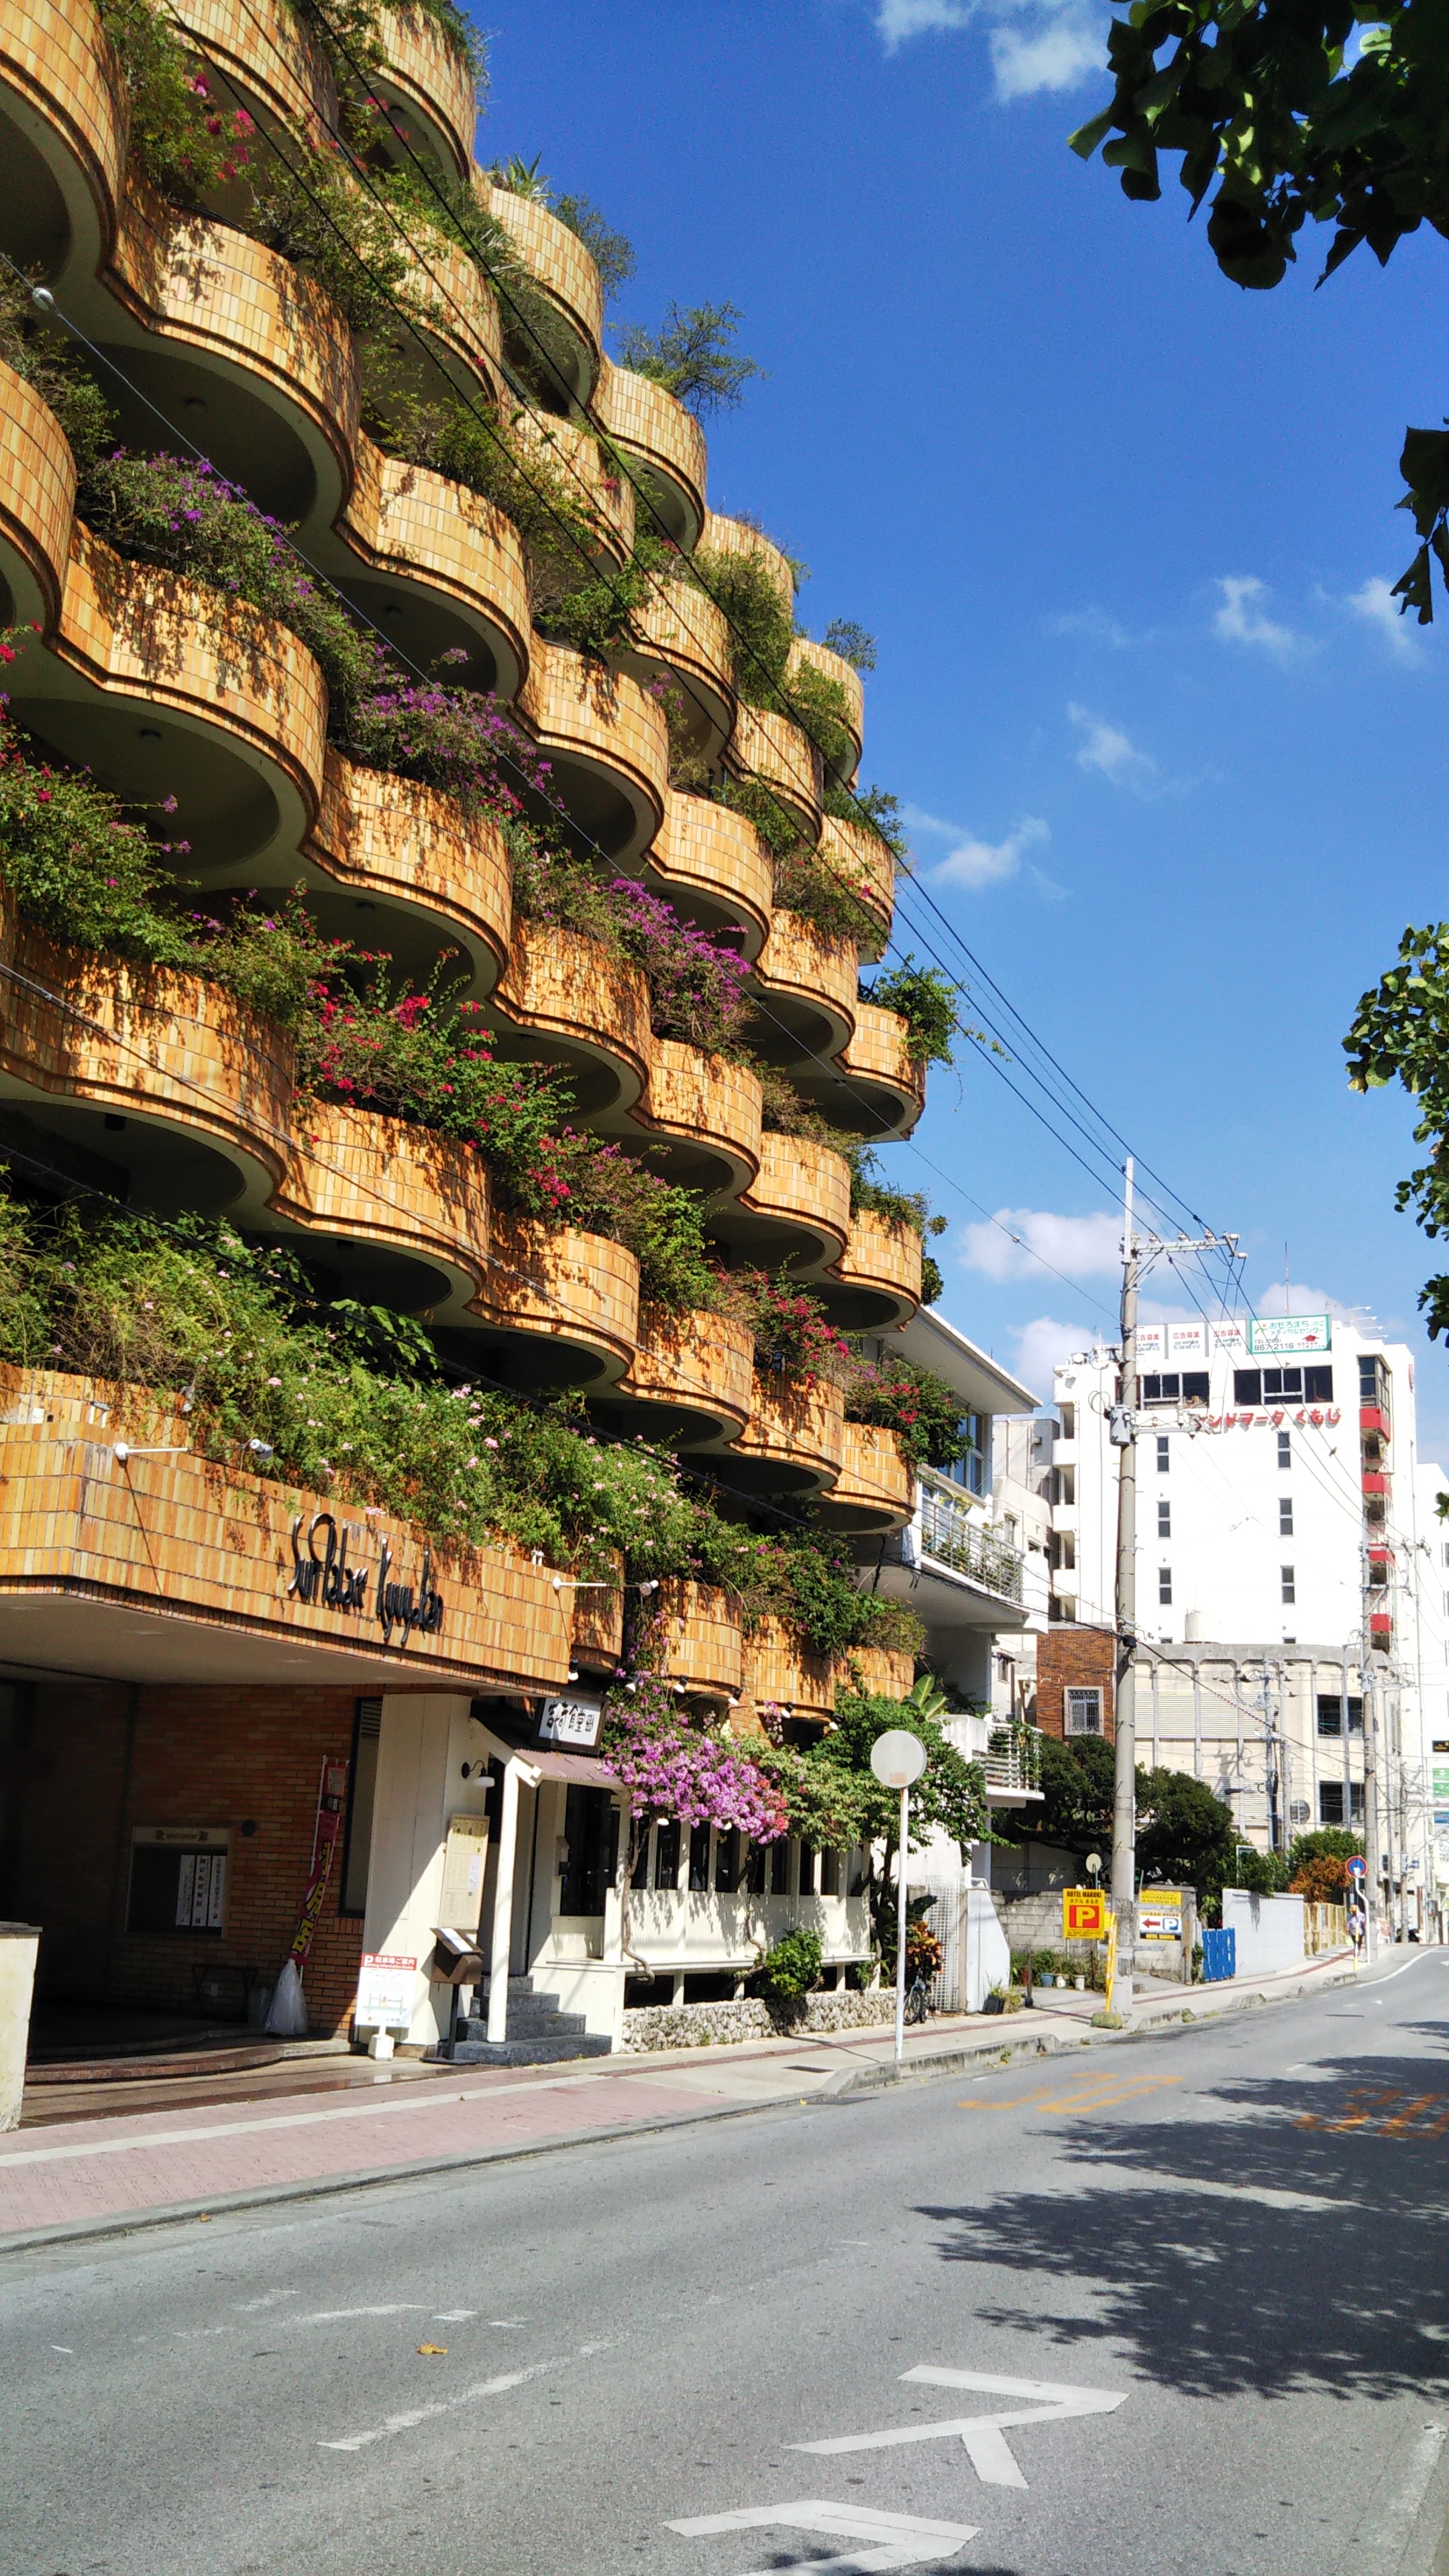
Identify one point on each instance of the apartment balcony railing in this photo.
(1013, 1763)
(951, 1535)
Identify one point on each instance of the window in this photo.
(698, 1859)
(807, 1870)
(1330, 1802)
(1164, 1520)
(973, 1467)
(1283, 1386)
(174, 1887)
(1164, 1461)
(780, 1866)
(1069, 1422)
(726, 1863)
(1285, 1449)
(1189, 1388)
(1164, 1585)
(361, 1796)
(587, 1815)
(666, 1855)
(830, 1873)
(1083, 1712)
(1285, 1516)
(757, 1868)
(1373, 1380)
(1330, 1716)
(1289, 1591)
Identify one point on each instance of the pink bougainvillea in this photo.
(673, 1771)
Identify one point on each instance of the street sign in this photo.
(1356, 1868)
(1084, 1914)
(1159, 1914)
(385, 1988)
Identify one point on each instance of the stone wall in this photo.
(708, 2025)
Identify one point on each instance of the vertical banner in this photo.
(331, 1803)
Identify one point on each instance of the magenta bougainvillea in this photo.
(672, 1771)
(696, 984)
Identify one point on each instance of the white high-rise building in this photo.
(1292, 1574)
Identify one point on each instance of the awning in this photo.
(585, 1767)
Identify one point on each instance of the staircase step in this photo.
(528, 2052)
(525, 2025)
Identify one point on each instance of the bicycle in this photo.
(918, 2000)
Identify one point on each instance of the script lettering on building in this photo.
(399, 1606)
(327, 1579)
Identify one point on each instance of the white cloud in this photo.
(1099, 628)
(972, 862)
(896, 20)
(1058, 48)
(1377, 605)
(1106, 748)
(1040, 1347)
(1035, 45)
(1073, 1244)
(1240, 620)
(1298, 1300)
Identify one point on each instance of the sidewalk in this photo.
(98, 2176)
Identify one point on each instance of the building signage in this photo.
(1187, 1341)
(1151, 1343)
(571, 1721)
(1159, 1914)
(1309, 1417)
(1084, 1914)
(385, 1987)
(1274, 1336)
(1229, 1338)
(333, 1584)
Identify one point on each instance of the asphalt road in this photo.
(1227, 2244)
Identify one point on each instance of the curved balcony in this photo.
(876, 1088)
(167, 688)
(735, 537)
(868, 867)
(251, 354)
(153, 1087)
(444, 543)
(427, 87)
(879, 1276)
(566, 1305)
(456, 305)
(37, 502)
(408, 1209)
(608, 745)
(269, 49)
(713, 866)
(709, 1111)
(690, 1382)
(809, 985)
(783, 1675)
(598, 1621)
(558, 262)
(573, 455)
(698, 1628)
(818, 657)
(682, 635)
(770, 748)
(881, 1670)
(876, 1490)
(796, 1212)
(569, 1003)
(794, 1440)
(390, 844)
(66, 148)
(667, 446)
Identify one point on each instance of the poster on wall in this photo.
(1284, 1336)
(1151, 1345)
(1186, 1342)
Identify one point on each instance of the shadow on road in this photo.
(1218, 2294)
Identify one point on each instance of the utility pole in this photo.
(1124, 1696)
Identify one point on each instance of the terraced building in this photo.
(448, 1277)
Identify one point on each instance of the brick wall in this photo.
(1070, 1654)
(234, 1757)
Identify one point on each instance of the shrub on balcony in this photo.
(183, 140)
(926, 1000)
(37, 352)
(480, 446)
(607, 1192)
(696, 984)
(693, 356)
(917, 1405)
(811, 1580)
(875, 809)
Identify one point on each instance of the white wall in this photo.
(426, 1738)
(1269, 1931)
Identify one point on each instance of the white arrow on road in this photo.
(984, 2436)
(896, 2539)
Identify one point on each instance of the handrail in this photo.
(951, 1535)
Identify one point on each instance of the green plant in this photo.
(182, 142)
(1401, 1029)
(933, 1280)
(762, 629)
(693, 356)
(306, 204)
(926, 1000)
(791, 1968)
(922, 1410)
(460, 32)
(854, 644)
(611, 252)
(876, 809)
(609, 1193)
(36, 351)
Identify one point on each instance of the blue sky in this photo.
(1124, 535)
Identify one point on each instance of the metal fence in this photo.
(951, 1535)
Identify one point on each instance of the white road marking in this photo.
(452, 2316)
(405, 2420)
(1050, 2401)
(335, 2316)
(271, 2299)
(895, 2539)
(64, 2347)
